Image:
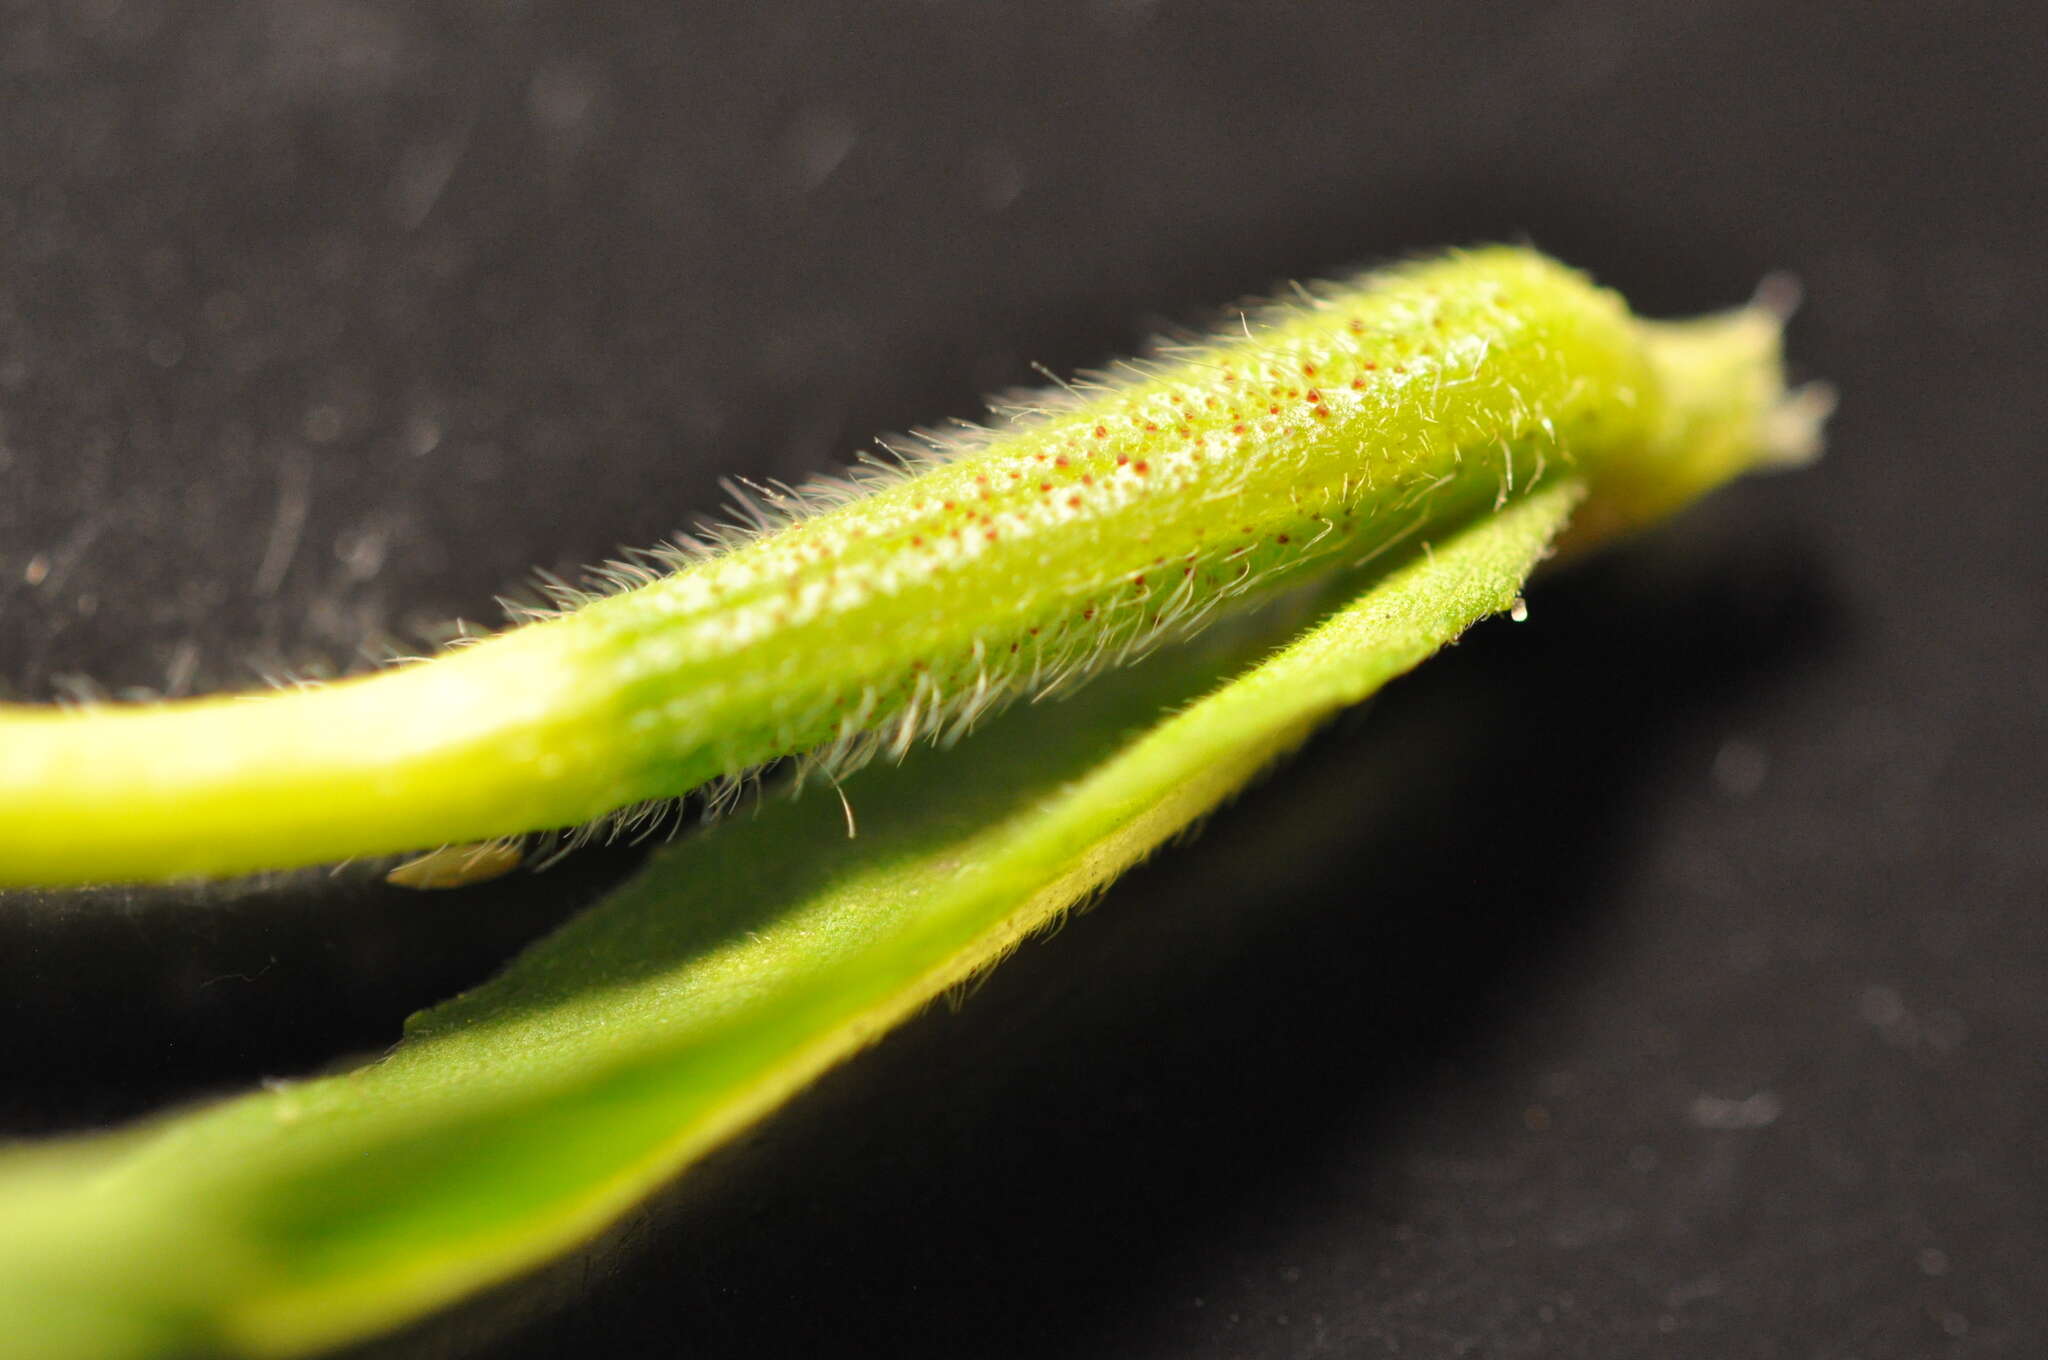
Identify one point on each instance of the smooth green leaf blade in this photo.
(519, 1119)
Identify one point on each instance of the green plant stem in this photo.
(1013, 561)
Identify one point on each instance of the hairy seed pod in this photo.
(1090, 523)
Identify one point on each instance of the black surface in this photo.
(1665, 976)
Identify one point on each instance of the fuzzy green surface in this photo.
(1093, 526)
(520, 1118)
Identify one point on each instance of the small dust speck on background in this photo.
(422, 436)
(815, 144)
(1759, 1111)
(1740, 768)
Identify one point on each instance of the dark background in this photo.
(1668, 975)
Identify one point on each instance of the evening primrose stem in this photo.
(1095, 521)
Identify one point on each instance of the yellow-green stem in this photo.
(1092, 527)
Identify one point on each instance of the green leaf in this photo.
(519, 1119)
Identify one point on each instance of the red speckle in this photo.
(1322, 412)
(1044, 487)
(1238, 428)
(1013, 646)
(1122, 458)
(1014, 474)
(1060, 461)
(991, 535)
(1281, 539)
(1141, 467)
(1314, 395)
(1074, 501)
(1228, 376)
(1088, 479)
(1101, 431)
(916, 542)
(947, 506)
(1139, 579)
(1308, 370)
(1370, 367)
(1357, 327)
(982, 478)
(1358, 384)
(1272, 410)
(1088, 613)
(1150, 426)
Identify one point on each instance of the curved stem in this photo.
(1063, 543)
